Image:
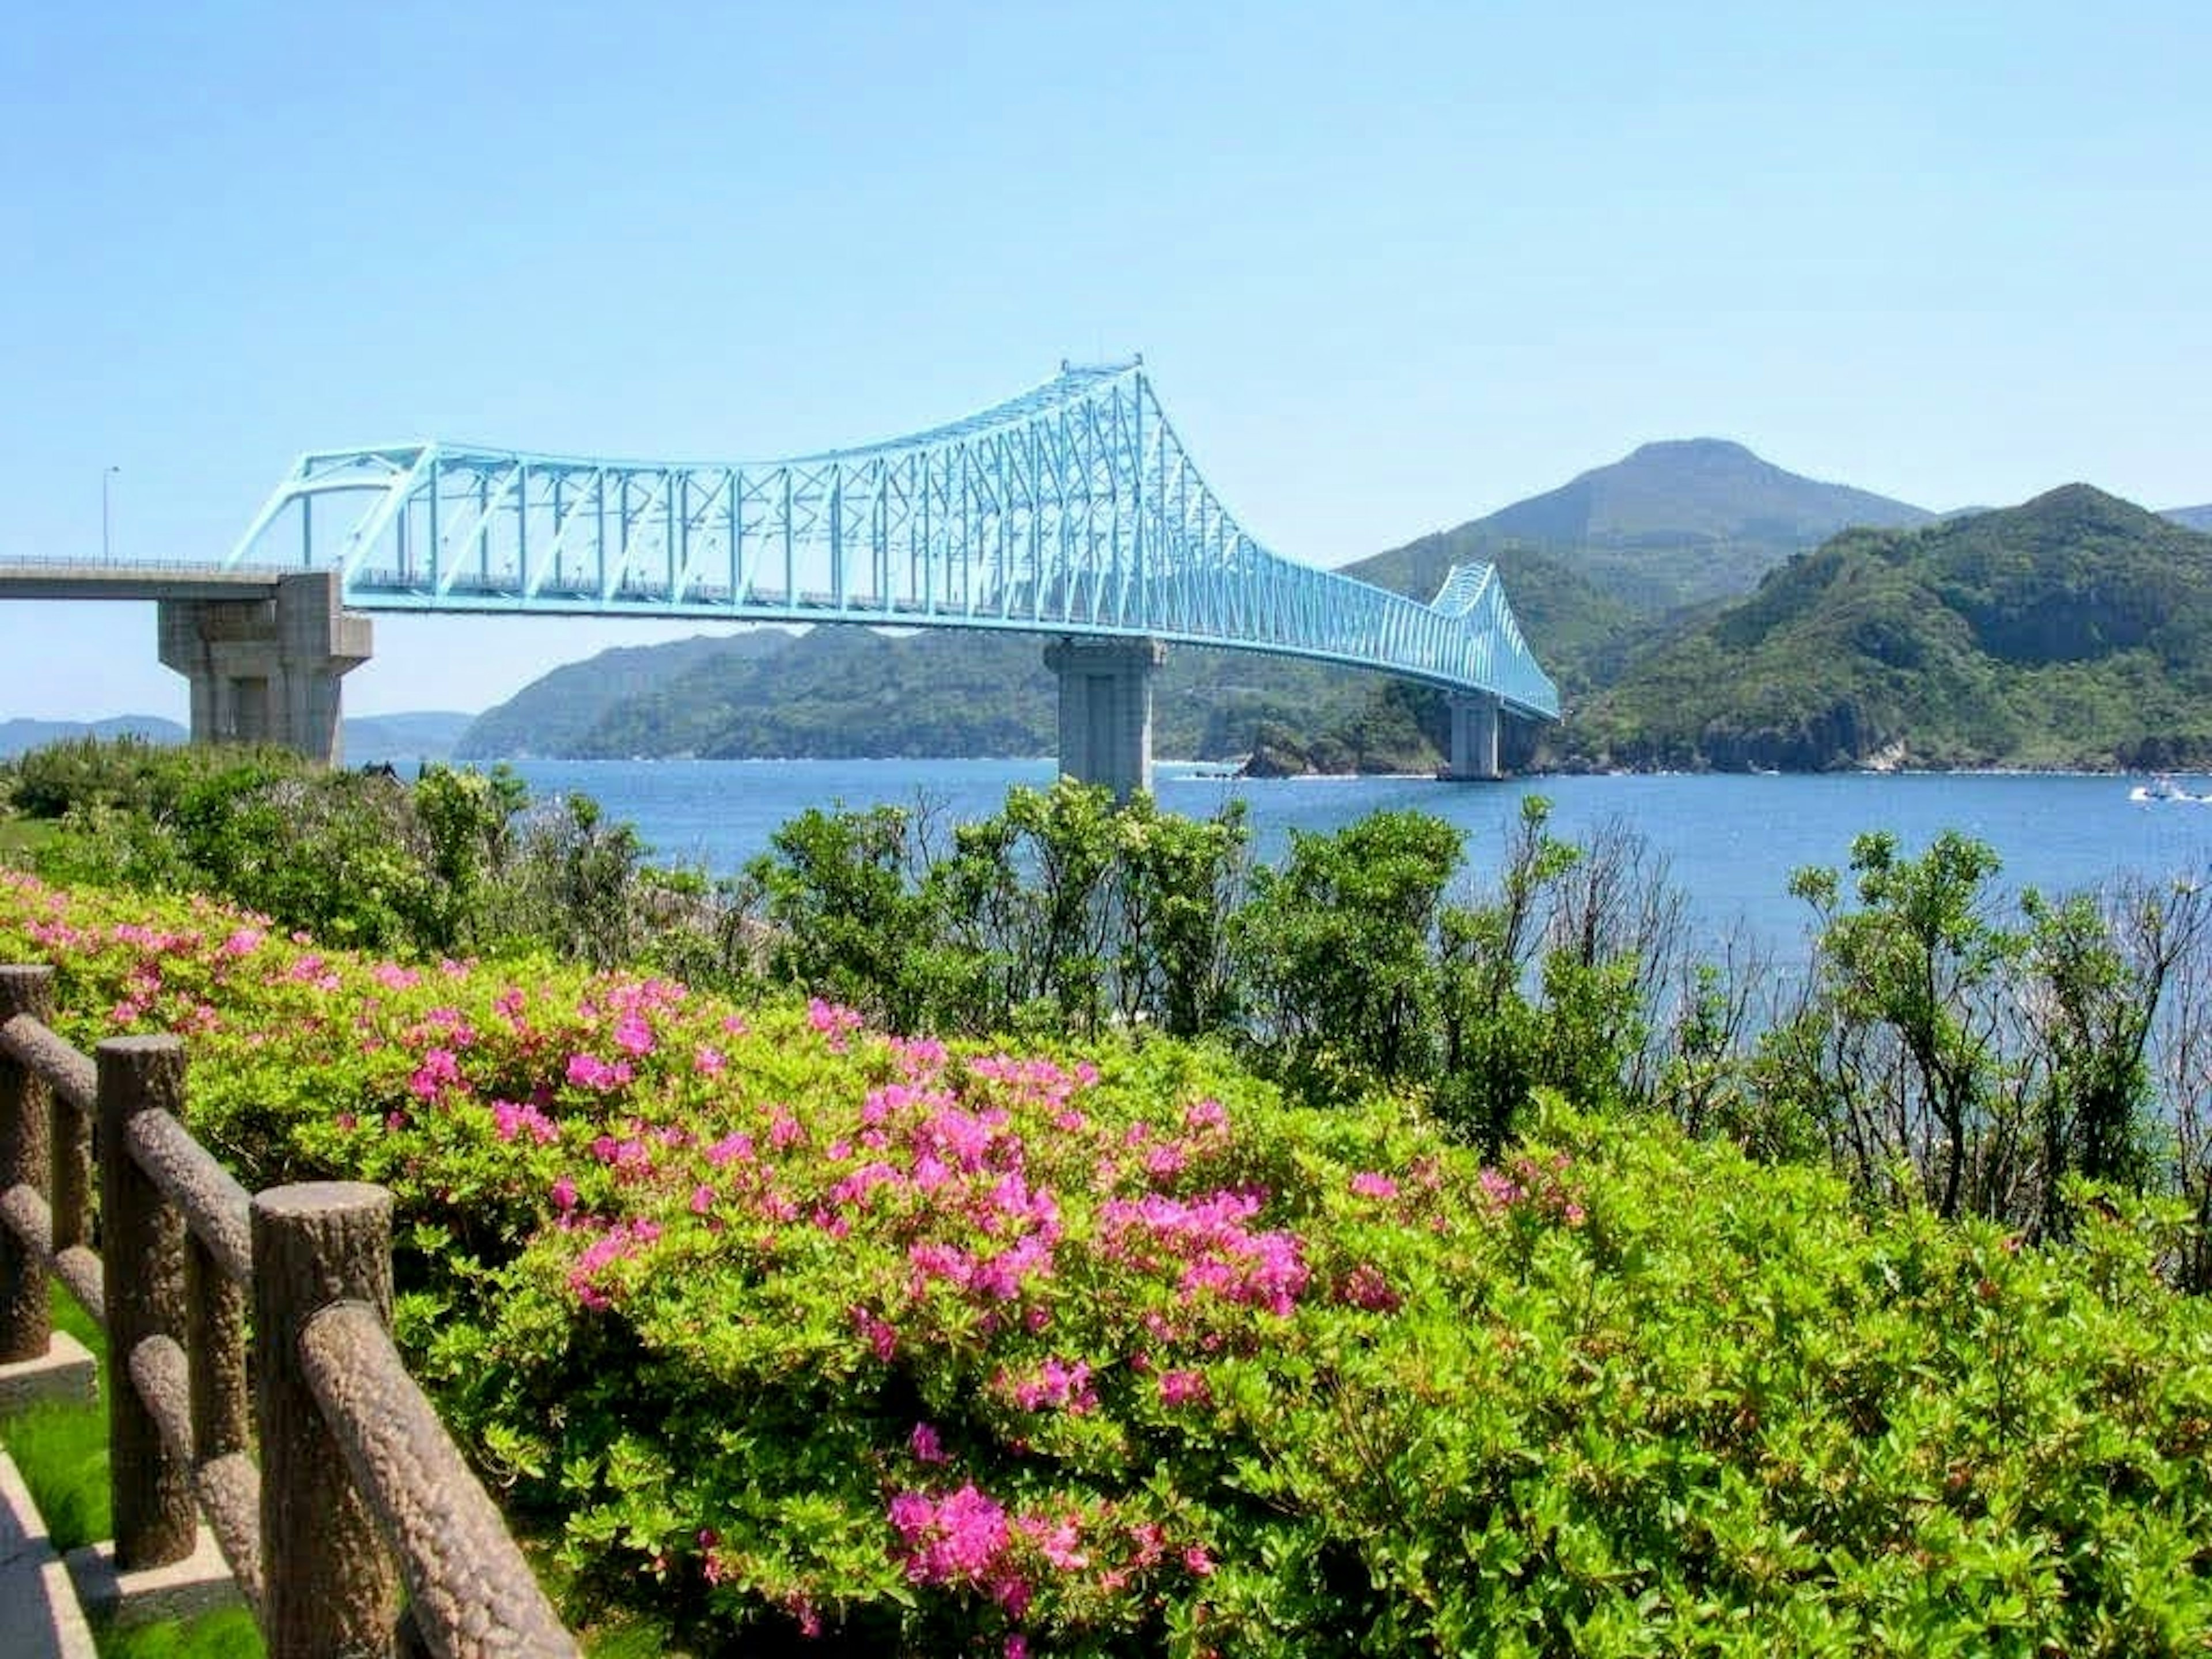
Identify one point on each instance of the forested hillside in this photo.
(2075, 630)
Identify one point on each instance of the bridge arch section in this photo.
(1072, 511)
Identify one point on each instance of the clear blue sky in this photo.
(1392, 265)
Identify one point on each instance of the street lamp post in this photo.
(107, 518)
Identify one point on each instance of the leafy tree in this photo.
(1178, 882)
(2100, 976)
(1551, 982)
(1915, 973)
(1337, 948)
(468, 818)
(837, 887)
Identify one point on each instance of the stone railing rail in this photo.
(357, 1489)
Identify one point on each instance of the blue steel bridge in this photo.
(1072, 511)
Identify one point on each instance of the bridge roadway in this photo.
(1071, 512)
(23, 580)
(262, 651)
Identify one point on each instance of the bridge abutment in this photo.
(1106, 709)
(1473, 739)
(267, 670)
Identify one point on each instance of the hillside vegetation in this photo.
(2076, 630)
(556, 713)
(848, 692)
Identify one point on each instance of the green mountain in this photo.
(556, 713)
(403, 739)
(2075, 630)
(839, 692)
(1688, 519)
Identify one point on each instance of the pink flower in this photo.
(707, 1061)
(564, 1193)
(439, 1072)
(1057, 1384)
(956, 1540)
(925, 1445)
(1368, 1184)
(1365, 1287)
(1497, 1190)
(833, 1021)
(590, 1071)
(882, 1339)
(1196, 1560)
(1184, 1389)
(729, 1150)
(633, 1035)
(510, 1120)
(1204, 1115)
(1057, 1540)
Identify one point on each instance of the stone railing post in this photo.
(332, 1589)
(26, 1120)
(143, 1247)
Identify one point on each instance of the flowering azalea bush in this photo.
(790, 1330)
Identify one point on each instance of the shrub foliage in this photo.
(786, 1329)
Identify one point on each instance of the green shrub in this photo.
(781, 1324)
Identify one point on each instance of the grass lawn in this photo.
(21, 837)
(61, 1451)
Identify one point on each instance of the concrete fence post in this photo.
(26, 1116)
(143, 1246)
(331, 1586)
(220, 1419)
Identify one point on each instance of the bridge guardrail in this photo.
(357, 1477)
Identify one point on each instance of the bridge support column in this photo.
(1106, 709)
(1473, 739)
(268, 670)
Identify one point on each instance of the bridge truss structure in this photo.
(1072, 510)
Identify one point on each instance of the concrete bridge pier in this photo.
(1474, 738)
(267, 670)
(1106, 709)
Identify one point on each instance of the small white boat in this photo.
(2163, 788)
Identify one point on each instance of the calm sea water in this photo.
(1730, 842)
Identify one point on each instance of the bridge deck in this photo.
(28, 578)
